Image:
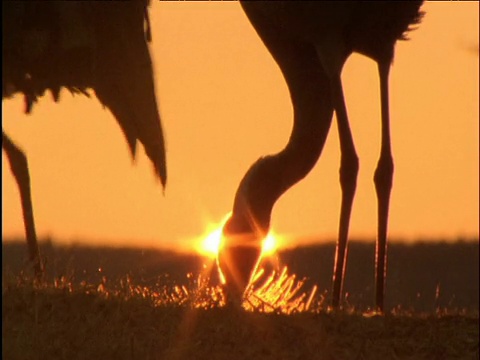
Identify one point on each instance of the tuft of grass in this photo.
(123, 320)
(280, 292)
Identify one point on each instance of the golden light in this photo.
(269, 245)
(209, 244)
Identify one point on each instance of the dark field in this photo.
(104, 303)
(421, 277)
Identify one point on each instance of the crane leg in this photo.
(19, 166)
(383, 179)
(348, 181)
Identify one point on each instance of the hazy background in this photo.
(224, 104)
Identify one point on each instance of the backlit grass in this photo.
(122, 320)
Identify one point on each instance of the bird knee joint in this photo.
(18, 163)
(384, 174)
(349, 171)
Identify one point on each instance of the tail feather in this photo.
(125, 80)
(91, 44)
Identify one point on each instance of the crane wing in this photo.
(90, 44)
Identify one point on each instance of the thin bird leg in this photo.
(19, 166)
(348, 182)
(383, 185)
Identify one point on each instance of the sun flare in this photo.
(270, 244)
(210, 243)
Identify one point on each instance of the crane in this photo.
(310, 41)
(77, 46)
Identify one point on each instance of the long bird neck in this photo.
(271, 176)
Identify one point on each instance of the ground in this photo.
(109, 317)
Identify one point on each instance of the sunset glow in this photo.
(210, 243)
(224, 103)
(270, 244)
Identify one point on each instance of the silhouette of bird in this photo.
(79, 46)
(310, 42)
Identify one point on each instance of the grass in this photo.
(123, 320)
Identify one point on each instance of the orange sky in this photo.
(224, 104)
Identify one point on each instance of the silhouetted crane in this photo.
(310, 42)
(80, 45)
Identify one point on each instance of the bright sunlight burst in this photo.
(209, 244)
(275, 291)
(270, 244)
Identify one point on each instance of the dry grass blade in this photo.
(310, 298)
(123, 320)
(280, 293)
